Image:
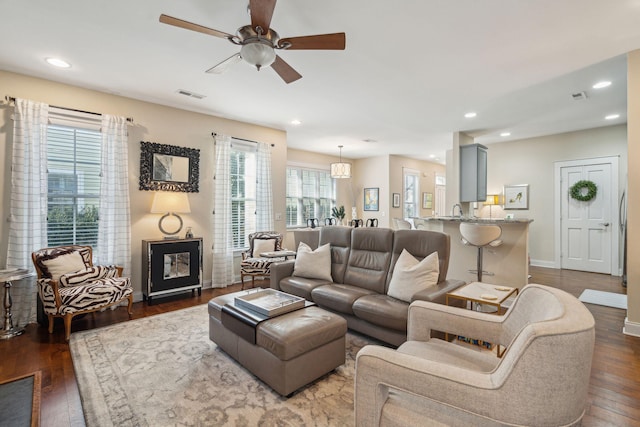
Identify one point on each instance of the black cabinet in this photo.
(171, 265)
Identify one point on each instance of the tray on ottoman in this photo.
(269, 302)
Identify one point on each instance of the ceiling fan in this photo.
(258, 42)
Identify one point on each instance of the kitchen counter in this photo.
(507, 264)
(499, 221)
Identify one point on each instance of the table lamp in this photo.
(492, 200)
(170, 203)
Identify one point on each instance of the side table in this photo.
(278, 254)
(483, 293)
(6, 277)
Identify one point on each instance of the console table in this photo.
(171, 265)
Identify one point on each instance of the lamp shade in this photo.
(492, 199)
(169, 201)
(341, 170)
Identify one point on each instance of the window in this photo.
(243, 194)
(411, 193)
(73, 165)
(310, 194)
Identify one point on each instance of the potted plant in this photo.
(338, 213)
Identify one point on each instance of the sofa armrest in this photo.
(380, 370)
(438, 292)
(280, 270)
(425, 316)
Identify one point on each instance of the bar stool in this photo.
(480, 236)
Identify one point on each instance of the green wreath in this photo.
(576, 190)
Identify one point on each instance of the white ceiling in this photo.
(410, 71)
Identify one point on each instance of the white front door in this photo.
(439, 198)
(587, 227)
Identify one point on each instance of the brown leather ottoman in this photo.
(290, 350)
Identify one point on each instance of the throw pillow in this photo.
(313, 264)
(411, 276)
(263, 245)
(64, 263)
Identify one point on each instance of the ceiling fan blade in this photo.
(285, 71)
(165, 19)
(261, 13)
(335, 41)
(225, 65)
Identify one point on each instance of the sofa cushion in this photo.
(370, 258)
(382, 310)
(313, 264)
(338, 297)
(301, 286)
(340, 240)
(411, 276)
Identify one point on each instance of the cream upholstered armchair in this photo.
(542, 379)
(69, 284)
(253, 265)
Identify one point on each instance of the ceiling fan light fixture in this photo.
(258, 54)
(340, 169)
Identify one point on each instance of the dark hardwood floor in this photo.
(614, 397)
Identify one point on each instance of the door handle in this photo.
(604, 224)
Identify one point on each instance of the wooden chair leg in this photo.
(242, 279)
(129, 308)
(50, 318)
(253, 281)
(67, 326)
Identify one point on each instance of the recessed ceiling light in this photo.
(602, 84)
(470, 115)
(56, 62)
(505, 134)
(296, 122)
(612, 116)
(432, 156)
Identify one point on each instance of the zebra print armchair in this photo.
(69, 284)
(253, 264)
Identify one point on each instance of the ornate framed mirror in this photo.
(169, 167)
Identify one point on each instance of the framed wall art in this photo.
(396, 200)
(371, 199)
(516, 196)
(427, 200)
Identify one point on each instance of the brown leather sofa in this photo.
(362, 262)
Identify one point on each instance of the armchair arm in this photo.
(425, 316)
(280, 270)
(380, 369)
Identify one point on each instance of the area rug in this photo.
(608, 299)
(20, 401)
(164, 371)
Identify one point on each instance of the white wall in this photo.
(531, 161)
(154, 123)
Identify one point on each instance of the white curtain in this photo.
(28, 211)
(264, 193)
(114, 225)
(222, 274)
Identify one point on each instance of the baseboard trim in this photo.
(631, 328)
(543, 263)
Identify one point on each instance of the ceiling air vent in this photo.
(191, 94)
(580, 96)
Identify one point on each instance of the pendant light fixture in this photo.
(341, 169)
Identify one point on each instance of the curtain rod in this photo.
(240, 139)
(13, 99)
